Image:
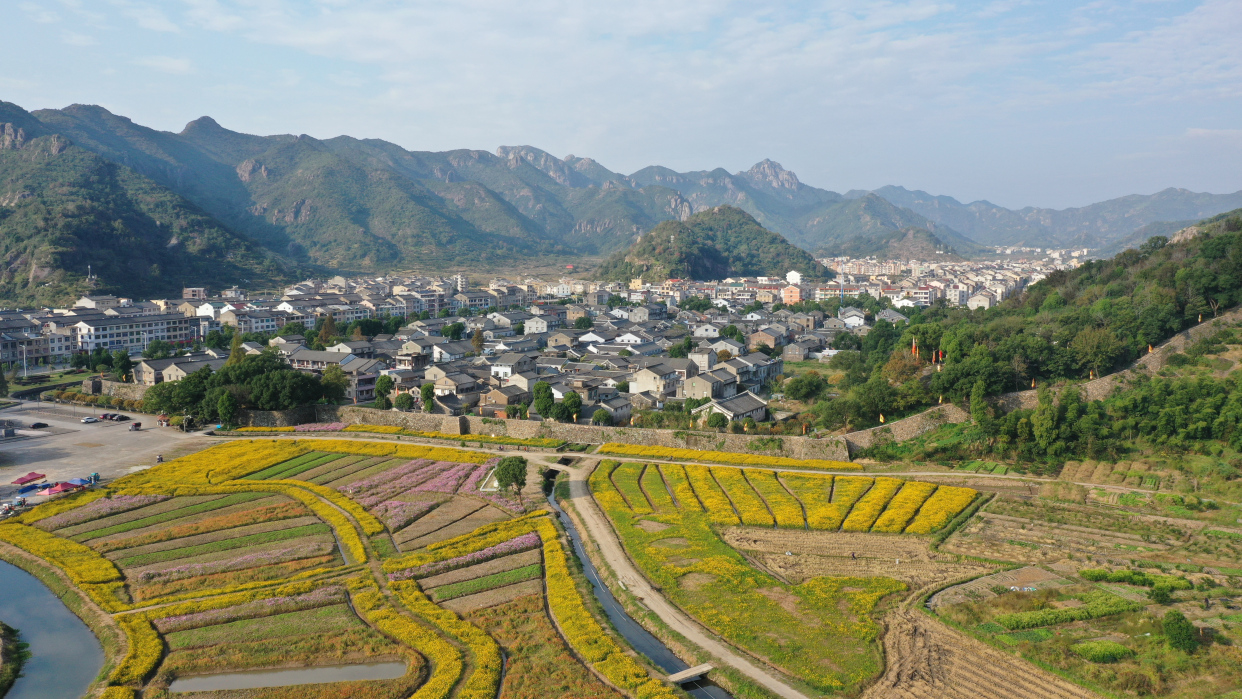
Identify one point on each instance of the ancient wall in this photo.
(126, 391)
(908, 428)
(794, 447)
(276, 418)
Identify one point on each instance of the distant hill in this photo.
(1101, 225)
(720, 242)
(905, 244)
(65, 211)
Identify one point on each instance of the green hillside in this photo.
(1073, 325)
(713, 244)
(63, 208)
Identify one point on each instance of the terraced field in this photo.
(254, 555)
(767, 498)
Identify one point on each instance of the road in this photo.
(70, 449)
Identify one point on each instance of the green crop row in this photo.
(1096, 603)
(316, 457)
(487, 582)
(224, 545)
(170, 516)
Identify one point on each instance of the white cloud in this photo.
(76, 39)
(165, 64)
(38, 13)
(147, 16)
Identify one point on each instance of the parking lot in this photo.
(68, 448)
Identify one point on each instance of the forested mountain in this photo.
(370, 205)
(1100, 225)
(714, 244)
(63, 208)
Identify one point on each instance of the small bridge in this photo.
(691, 674)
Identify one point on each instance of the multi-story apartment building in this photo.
(132, 334)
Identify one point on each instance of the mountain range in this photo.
(286, 205)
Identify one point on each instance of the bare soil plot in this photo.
(494, 597)
(441, 517)
(465, 525)
(800, 556)
(928, 660)
(1033, 541)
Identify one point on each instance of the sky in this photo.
(1019, 102)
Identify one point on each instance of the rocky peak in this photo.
(545, 162)
(12, 137)
(772, 174)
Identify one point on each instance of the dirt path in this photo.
(926, 659)
(600, 531)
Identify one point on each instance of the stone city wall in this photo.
(116, 389)
(794, 447)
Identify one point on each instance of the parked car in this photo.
(88, 418)
(135, 426)
(105, 416)
(38, 425)
(119, 418)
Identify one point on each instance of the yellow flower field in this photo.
(940, 508)
(869, 507)
(903, 506)
(785, 508)
(747, 503)
(718, 507)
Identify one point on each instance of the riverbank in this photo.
(13, 656)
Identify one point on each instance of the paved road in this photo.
(601, 533)
(70, 449)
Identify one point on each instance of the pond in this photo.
(283, 678)
(65, 655)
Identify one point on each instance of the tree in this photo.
(4, 386)
(226, 407)
(357, 335)
(382, 402)
(625, 353)
(158, 349)
(573, 403)
(511, 473)
(623, 386)
(1160, 595)
(583, 323)
(334, 383)
(561, 412)
(717, 421)
(384, 385)
(404, 401)
(723, 356)
(291, 329)
(121, 365)
(807, 387)
(1097, 349)
(453, 331)
(328, 330)
(519, 328)
(428, 394)
(541, 389)
(476, 340)
(236, 353)
(282, 390)
(601, 417)
(1180, 632)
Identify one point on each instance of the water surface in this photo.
(65, 655)
(255, 679)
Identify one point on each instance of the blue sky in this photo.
(1017, 102)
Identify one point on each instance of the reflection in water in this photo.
(65, 655)
(283, 678)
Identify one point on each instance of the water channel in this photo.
(65, 655)
(638, 637)
(284, 678)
